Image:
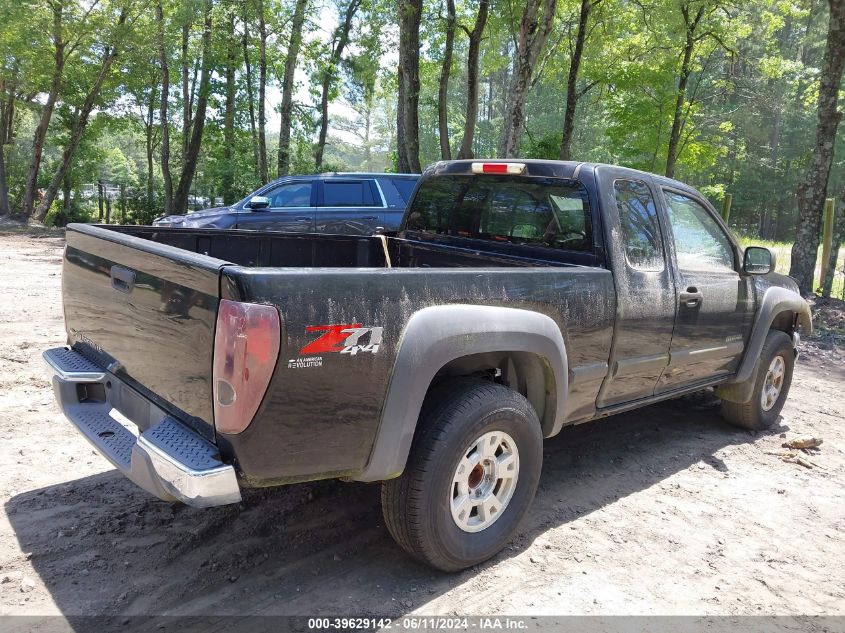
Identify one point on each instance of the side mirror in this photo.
(758, 260)
(258, 202)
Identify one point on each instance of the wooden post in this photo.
(726, 207)
(827, 237)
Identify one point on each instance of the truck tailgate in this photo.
(147, 312)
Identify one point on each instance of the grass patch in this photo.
(783, 255)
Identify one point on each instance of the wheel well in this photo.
(784, 321)
(524, 372)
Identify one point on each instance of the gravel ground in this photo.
(666, 510)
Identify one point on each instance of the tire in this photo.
(754, 414)
(423, 507)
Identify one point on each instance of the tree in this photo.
(228, 179)
(443, 88)
(534, 28)
(572, 93)
(329, 74)
(408, 95)
(473, 53)
(164, 122)
(283, 163)
(81, 118)
(813, 189)
(262, 93)
(189, 160)
(250, 89)
(691, 24)
(66, 40)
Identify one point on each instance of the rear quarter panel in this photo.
(319, 419)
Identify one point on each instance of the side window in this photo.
(356, 193)
(294, 194)
(405, 187)
(700, 243)
(640, 228)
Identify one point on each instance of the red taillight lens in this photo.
(246, 347)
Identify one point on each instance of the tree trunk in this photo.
(46, 113)
(66, 192)
(262, 94)
(162, 113)
(250, 94)
(4, 185)
(533, 32)
(812, 190)
(149, 126)
(283, 157)
(677, 116)
(187, 98)
(572, 80)
(407, 111)
(324, 122)
(475, 37)
(180, 200)
(6, 111)
(443, 89)
(341, 39)
(79, 125)
(228, 179)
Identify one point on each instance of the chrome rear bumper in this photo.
(166, 458)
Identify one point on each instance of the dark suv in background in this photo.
(351, 204)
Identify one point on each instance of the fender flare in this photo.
(776, 300)
(435, 336)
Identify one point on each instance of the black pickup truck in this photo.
(517, 298)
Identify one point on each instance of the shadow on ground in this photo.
(103, 547)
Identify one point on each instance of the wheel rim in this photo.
(773, 384)
(484, 481)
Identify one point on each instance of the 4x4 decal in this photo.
(345, 338)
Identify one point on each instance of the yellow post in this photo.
(726, 207)
(827, 237)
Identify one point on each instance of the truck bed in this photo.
(144, 301)
(309, 250)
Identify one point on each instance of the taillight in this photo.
(246, 347)
(513, 169)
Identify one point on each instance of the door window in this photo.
(640, 227)
(294, 194)
(348, 194)
(700, 243)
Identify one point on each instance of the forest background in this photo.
(173, 105)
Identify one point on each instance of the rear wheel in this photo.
(470, 477)
(772, 381)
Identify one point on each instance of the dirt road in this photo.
(666, 510)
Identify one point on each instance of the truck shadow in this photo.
(104, 548)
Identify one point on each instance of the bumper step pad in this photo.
(168, 460)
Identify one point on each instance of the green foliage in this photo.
(747, 117)
(57, 216)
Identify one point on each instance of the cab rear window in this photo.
(550, 213)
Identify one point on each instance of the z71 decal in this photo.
(344, 338)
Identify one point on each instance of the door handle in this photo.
(691, 297)
(370, 217)
(303, 219)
